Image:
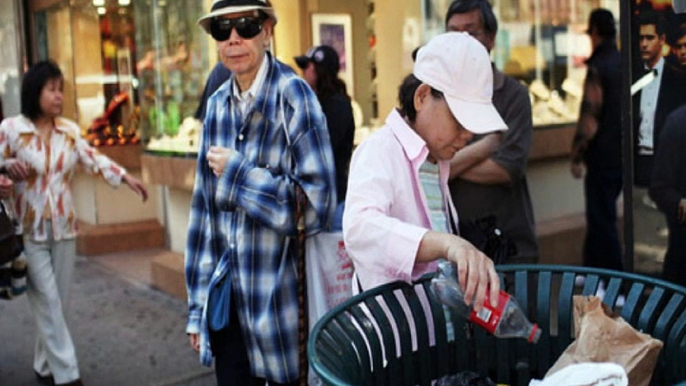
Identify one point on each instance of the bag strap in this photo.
(303, 322)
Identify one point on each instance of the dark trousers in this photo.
(601, 246)
(674, 268)
(231, 363)
(643, 170)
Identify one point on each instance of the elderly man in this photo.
(488, 176)
(264, 134)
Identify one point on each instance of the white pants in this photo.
(50, 267)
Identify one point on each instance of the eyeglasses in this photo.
(246, 27)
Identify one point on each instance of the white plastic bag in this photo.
(329, 273)
(329, 278)
(586, 374)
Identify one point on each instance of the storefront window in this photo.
(172, 66)
(133, 70)
(93, 44)
(543, 44)
(11, 59)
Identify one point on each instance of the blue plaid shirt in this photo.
(243, 222)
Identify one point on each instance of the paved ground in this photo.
(650, 235)
(125, 334)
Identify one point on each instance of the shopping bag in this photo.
(329, 278)
(603, 338)
(329, 273)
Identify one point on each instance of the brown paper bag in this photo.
(602, 338)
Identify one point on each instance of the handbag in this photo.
(219, 303)
(10, 243)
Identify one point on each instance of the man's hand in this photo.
(217, 157)
(16, 169)
(194, 340)
(577, 169)
(681, 211)
(475, 272)
(6, 186)
(136, 186)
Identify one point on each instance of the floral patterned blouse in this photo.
(51, 168)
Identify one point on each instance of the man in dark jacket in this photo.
(668, 189)
(598, 144)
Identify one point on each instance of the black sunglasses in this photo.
(246, 27)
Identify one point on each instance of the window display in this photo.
(11, 59)
(172, 65)
(94, 45)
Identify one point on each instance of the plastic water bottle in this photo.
(506, 320)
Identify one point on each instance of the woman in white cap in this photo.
(399, 218)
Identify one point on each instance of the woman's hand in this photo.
(16, 169)
(136, 186)
(475, 272)
(6, 186)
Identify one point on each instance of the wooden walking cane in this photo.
(303, 325)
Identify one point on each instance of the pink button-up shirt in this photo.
(51, 168)
(386, 211)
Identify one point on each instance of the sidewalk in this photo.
(125, 332)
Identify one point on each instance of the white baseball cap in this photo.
(226, 7)
(457, 65)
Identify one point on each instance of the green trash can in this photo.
(394, 335)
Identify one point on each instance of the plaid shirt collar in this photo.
(246, 98)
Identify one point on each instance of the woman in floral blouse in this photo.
(40, 151)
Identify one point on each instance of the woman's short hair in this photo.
(31, 87)
(406, 93)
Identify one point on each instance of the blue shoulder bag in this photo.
(219, 303)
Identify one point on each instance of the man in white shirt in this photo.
(658, 98)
